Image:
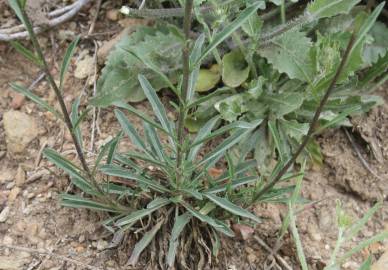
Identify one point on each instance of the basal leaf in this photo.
(235, 69)
(329, 8)
(289, 54)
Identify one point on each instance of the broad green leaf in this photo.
(26, 53)
(216, 224)
(139, 214)
(159, 47)
(229, 29)
(207, 79)
(40, 102)
(79, 202)
(179, 224)
(355, 52)
(289, 54)
(252, 27)
(284, 103)
(231, 207)
(329, 8)
(235, 70)
(155, 102)
(66, 60)
(115, 170)
(294, 129)
(378, 47)
(143, 243)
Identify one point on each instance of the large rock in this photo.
(20, 130)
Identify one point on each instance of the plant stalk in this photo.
(185, 87)
(313, 123)
(65, 113)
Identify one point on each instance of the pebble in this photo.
(84, 68)
(20, 177)
(4, 214)
(20, 130)
(5, 176)
(7, 240)
(113, 15)
(2, 154)
(382, 262)
(13, 194)
(102, 244)
(17, 101)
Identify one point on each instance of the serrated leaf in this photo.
(378, 47)
(235, 69)
(159, 47)
(284, 103)
(289, 54)
(329, 8)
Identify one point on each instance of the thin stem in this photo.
(283, 11)
(66, 116)
(185, 86)
(313, 123)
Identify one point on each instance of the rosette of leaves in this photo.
(155, 52)
(294, 69)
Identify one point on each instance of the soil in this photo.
(37, 233)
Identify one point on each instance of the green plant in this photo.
(165, 178)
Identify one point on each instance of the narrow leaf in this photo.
(79, 202)
(40, 102)
(232, 208)
(66, 60)
(26, 52)
(179, 224)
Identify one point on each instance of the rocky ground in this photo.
(37, 233)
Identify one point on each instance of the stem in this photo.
(185, 86)
(66, 116)
(283, 11)
(313, 123)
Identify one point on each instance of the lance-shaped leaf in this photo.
(115, 170)
(329, 8)
(66, 60)
(79, 202)
(232, 208)
(179, 224)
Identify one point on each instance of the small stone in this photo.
(4, 214)
(7, 240)
(13, 194)
(80, 249)
(251, 258)
(20, 227)
(20, 130)
(85, 67)
(313, 233)
(17, 101)
(102, 244)
(5, 176)
(2, 154)
(382, 262)
(113, 14)
(20, 177)
(81, 239)
(32, 229)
